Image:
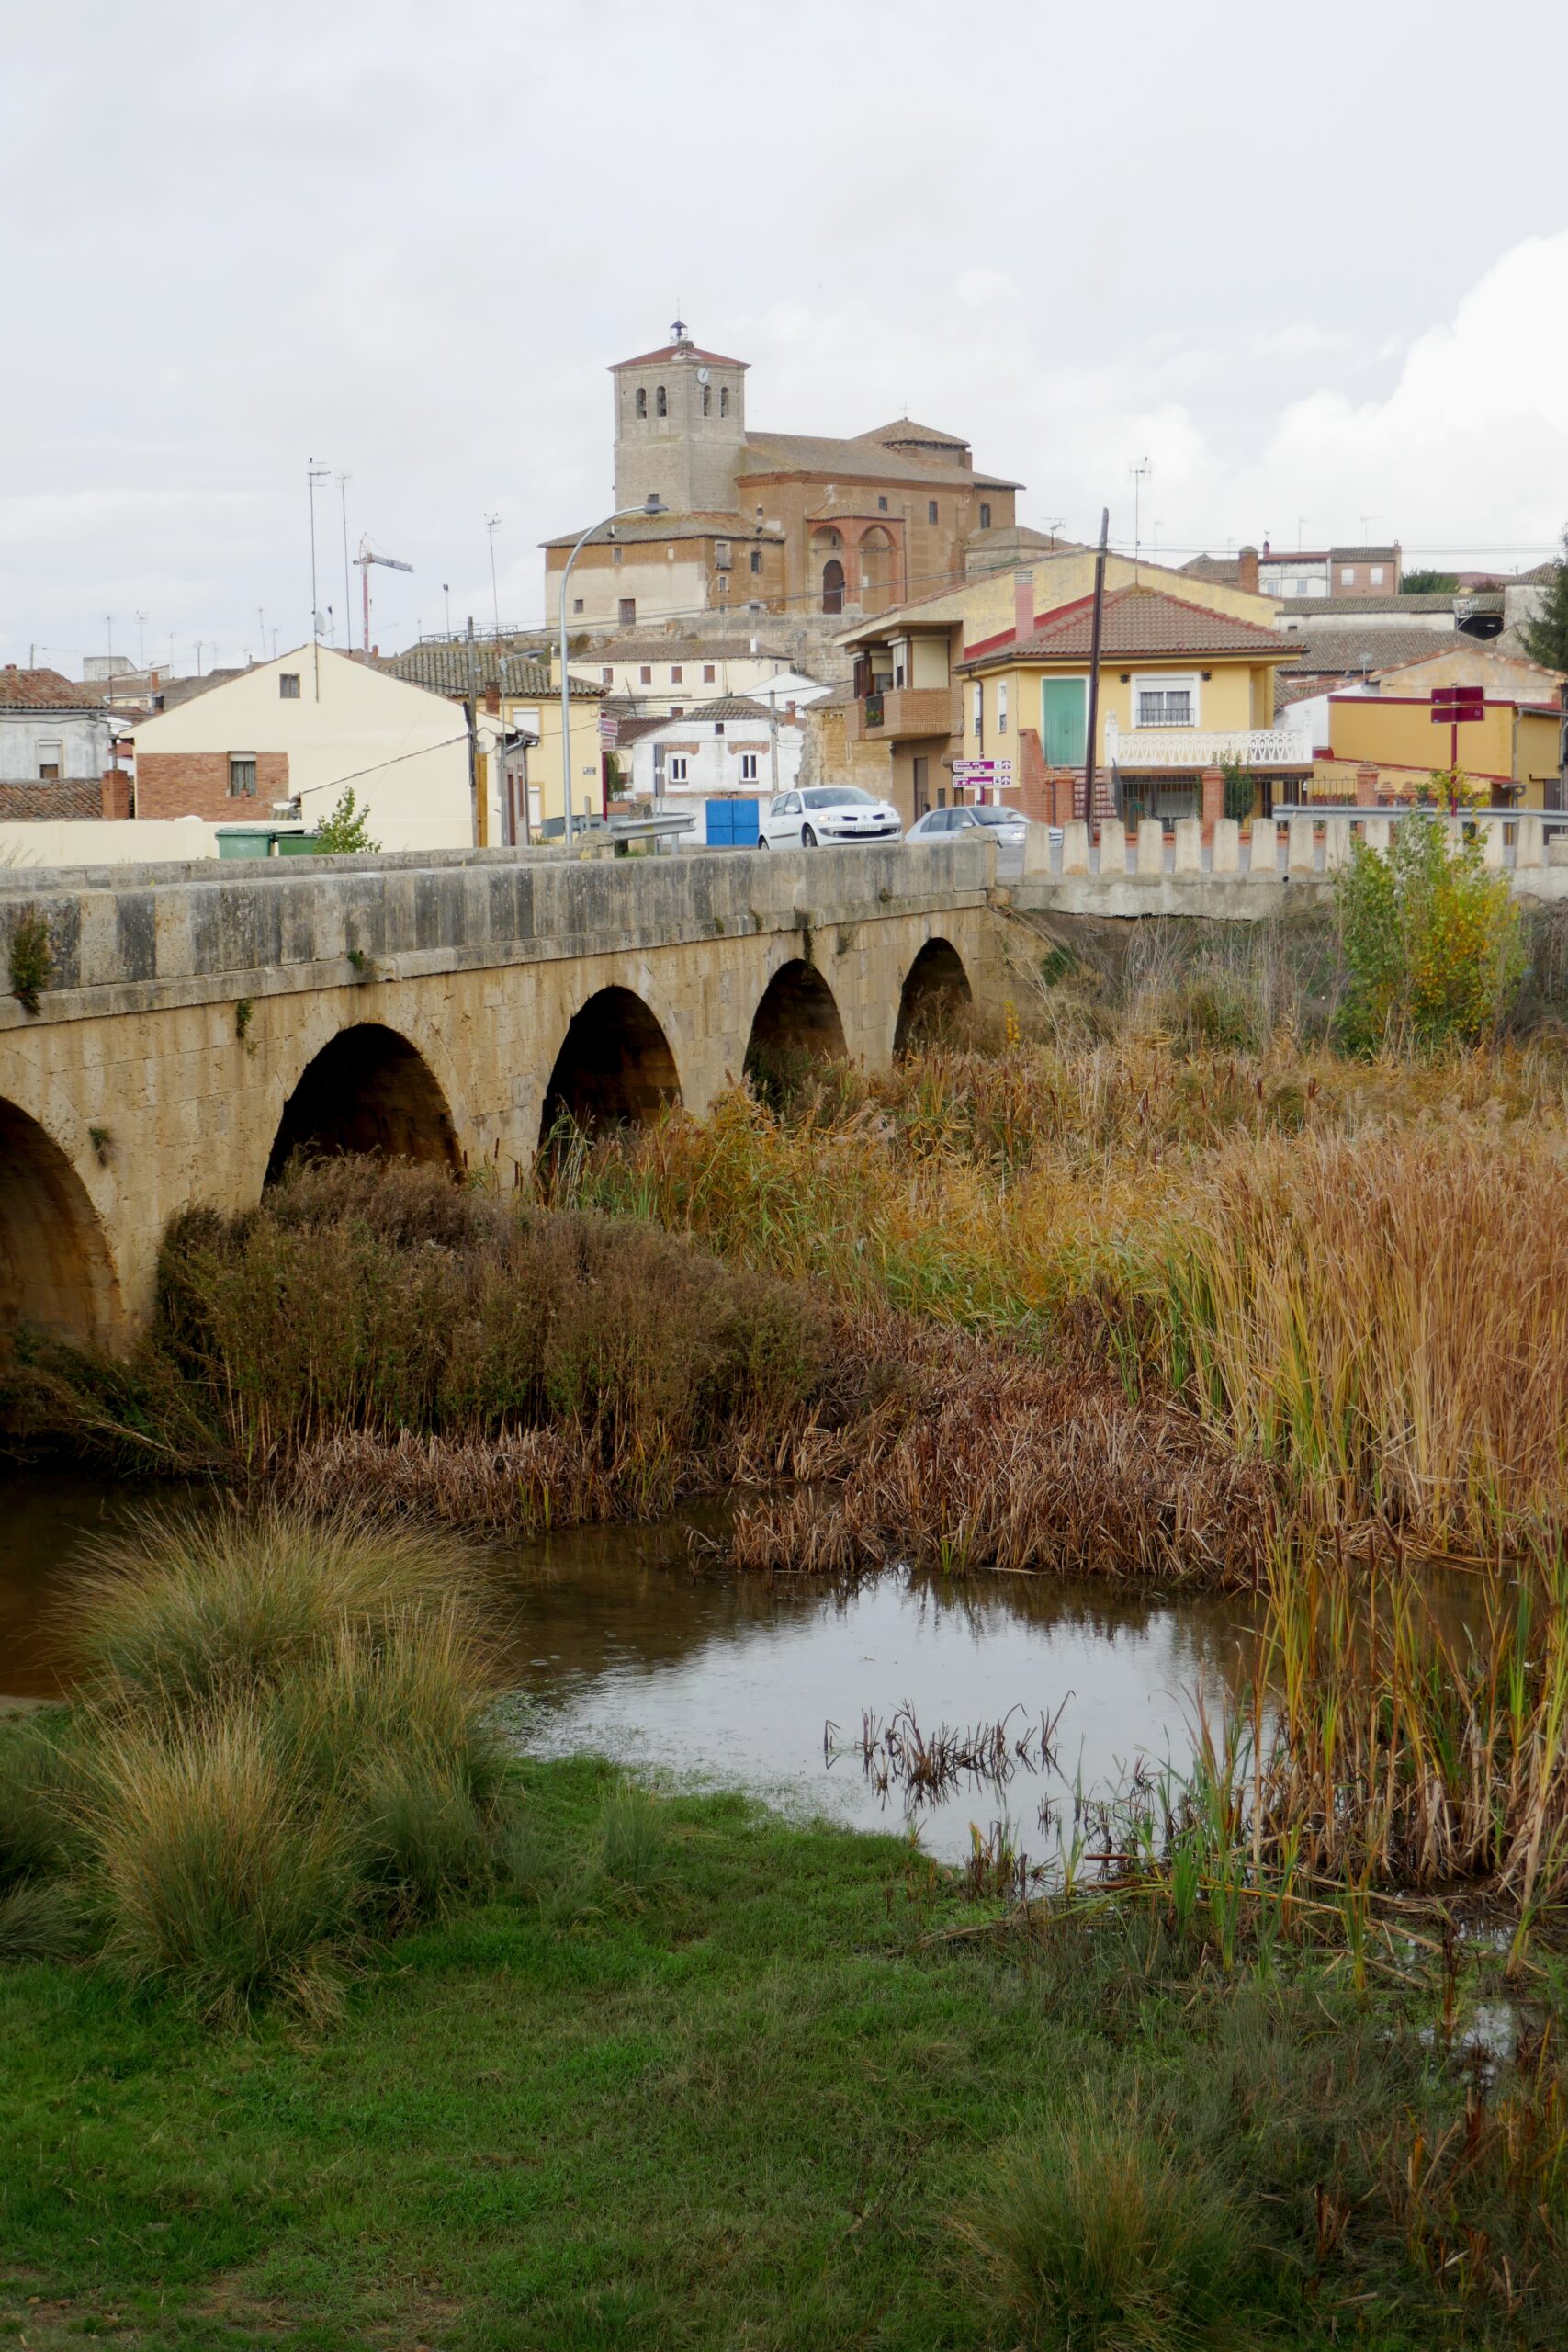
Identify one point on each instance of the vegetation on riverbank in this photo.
(707, 2078)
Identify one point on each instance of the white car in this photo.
(1006, 825)
(827, 812)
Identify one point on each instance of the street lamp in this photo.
(652, 505)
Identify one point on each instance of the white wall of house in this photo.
(700, 764)
(404, 750)
(681, 678)
(78, 742)
(109, 841)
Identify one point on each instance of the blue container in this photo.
(732, 824)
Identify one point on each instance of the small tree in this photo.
(1546, 637)
(1431, 942)
(345, 832)
(1428, 584)
(1241, 790)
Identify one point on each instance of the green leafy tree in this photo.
(344, 833)
(1432, 941)
(1241, 791)
(1428, 584)
(1546, 637)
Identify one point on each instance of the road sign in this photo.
(998, 774)
(609, 729)
(1457, 706)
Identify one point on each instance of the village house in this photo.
(657, 676)
(727, 750)
(933, 690)
(1310, 573)
(297, 730)
(56, 748)
(1382, 744)
(518, 720)
(773, 522)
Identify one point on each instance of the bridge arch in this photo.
(367, 1090)
(56, 1273)
(797, 1023)
(935, 986)
(614, 1067)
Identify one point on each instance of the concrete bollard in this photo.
(1189, 845)
(1151, 846)
(1112, 847)
(1301, 856)
(1037, 850)
(1226, 854)
(1378, 833)
(1335, 843)
(1528, 851)
(1491, 847)
(1265, 847)
(1074, 847)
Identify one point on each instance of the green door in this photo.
(1063, 703)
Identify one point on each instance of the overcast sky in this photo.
(1311, 263)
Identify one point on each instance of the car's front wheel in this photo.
(807, 838)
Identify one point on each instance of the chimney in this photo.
(1023, 603)
(1246, 571)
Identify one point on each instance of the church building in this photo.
(783, 523)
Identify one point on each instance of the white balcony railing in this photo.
(1187, 749)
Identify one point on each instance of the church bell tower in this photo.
(679, 427)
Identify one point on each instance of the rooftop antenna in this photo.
(490, 523)
(363, 559)
(313, 474)
(1140, 473)
(347, 598)
(140, 642)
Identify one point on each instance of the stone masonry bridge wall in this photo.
(199, 1019)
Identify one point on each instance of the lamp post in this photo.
(652, 505)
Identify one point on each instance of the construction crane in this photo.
(363, 561)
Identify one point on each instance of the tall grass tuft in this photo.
(1095, 2234)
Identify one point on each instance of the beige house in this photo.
(301, 727)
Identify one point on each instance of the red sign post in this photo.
(1457, 706)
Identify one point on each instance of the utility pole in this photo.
(490, 523)
(347, 597)
(473, 738)
(1140, 473)
(1094, 665)
(313, 474)
(142, 642)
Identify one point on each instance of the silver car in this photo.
(1008, 825)
(827, 812)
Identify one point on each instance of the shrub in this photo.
(631, 1837)
(1095, 2236)
(1241, 790)
(31, 960)
(1431, 942)
(346, 831)
(38, 1777)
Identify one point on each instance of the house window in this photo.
(756, 559)
(615, 554)
(642, 400)
(985, 516)
(979, 701)
(724, 399)
(1165, 702)
(677, 674)
(645, 674)
(881, 506)
(289, 685)
(931, 510)
(748, 768)
(629, 612)
(577, 603)
(50, 762)
(721, 554)
(1347, 575)
(677, 769)
(242, 776)
(709, 674)
(606, 677)
(661, 406)
(677, 710)
(1375, 576)
(1001, 705)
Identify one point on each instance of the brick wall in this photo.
(196, 784)
(74, 797)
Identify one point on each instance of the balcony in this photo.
(1189, 750)
(900, 712)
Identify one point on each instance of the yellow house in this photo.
(1512, 752)
(1183, 688)
(932, 687)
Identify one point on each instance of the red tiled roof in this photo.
(44, 690)
(678, 351)
(1135, 621)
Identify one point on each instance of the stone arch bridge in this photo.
(196, 1024)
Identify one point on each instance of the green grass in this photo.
(715, 2080)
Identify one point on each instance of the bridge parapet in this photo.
(126, 939)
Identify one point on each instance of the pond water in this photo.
(626, 1644)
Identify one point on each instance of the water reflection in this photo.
(629, 1649)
